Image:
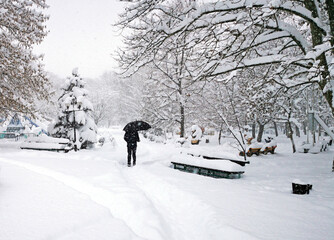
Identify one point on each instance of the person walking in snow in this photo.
(131, 137)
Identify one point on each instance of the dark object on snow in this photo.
(131, 138)
(298, 188)
(306, 150)
(136, 126)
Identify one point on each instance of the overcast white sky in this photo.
(81, 35)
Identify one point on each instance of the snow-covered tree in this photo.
(75, 120)
(47, 108)
(103, 98)
(116, 100)
(172, 68)
(166, 96)
(22, 25)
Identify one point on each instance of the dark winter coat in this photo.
(131, 138)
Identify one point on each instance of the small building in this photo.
(14, 128)
(20, 126)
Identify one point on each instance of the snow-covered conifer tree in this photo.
(75, 120)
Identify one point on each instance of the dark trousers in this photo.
(132, 151)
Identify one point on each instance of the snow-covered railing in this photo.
(323, 125)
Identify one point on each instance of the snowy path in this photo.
(148, 206)
(93, 195)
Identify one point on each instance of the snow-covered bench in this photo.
(46, 143)
(257, 148)
(269, 147)
(213, 168)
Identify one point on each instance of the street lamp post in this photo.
(73, 102)
(75, 135)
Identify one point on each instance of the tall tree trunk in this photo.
(287, 129)
(317, 39)
(305, 127)
(330, 12)
(290, 134)
(182, 120)
(314, 138)
(260, 134)
(297, 131)
(253, 130)
(220, 134)
(276, 130)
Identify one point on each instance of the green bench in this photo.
(206, 171)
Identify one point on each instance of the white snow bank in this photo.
(47, 139)
(46, 146)
(298, 181)
(46, 143)
(315, 149)
(270, 144)
(255, 145)
(223, 151)
(6, 144)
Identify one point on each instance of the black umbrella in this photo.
(136, 126)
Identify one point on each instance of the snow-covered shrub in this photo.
(160, 139)
(196, 132)
(304, 148)
(315, 149)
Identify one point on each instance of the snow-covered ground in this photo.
(92, 194)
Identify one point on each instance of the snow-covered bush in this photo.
(304, 148)
(74, 119)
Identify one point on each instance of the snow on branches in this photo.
(291, 39)
(22, 24)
